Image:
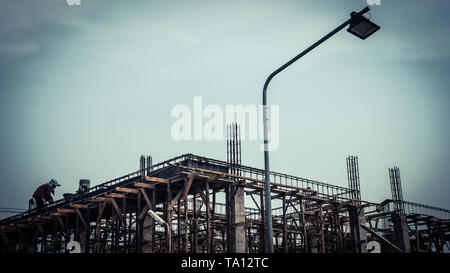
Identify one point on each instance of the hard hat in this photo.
(54, 183)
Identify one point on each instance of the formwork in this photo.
(211, 206)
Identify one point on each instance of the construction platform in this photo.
(212, 206)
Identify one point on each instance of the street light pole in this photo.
(355, 18)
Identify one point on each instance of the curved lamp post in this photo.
(359, 26)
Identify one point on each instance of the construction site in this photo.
(195, 204)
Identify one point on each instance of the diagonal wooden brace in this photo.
(116, 207)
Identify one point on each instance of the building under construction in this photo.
(194, 204)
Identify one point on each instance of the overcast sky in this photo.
(85, 90)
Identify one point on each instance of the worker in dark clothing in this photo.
(44, 193)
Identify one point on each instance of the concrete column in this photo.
(238, 220)
(82, 240)
(148, 228)
(313, 243)
(147, 235)
(362, 233)
(359, 235)
(401, 235)
(82, 234)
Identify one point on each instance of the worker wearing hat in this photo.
(44, 193)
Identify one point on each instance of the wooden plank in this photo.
(206, 177)
(101, 199)
(63, 210)
(94, 199)
(144, 185)
(78, 206)
(198, 169)
(156, 179)
(127, 190)
(44, 217)
(115, 195)
(54, 213)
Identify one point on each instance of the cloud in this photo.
(17, 50)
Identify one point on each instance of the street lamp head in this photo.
(361, 26)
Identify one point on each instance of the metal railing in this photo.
(323, 189)
(411, 208)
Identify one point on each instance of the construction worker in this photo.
(44, 193)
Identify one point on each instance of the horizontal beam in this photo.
(127, 190)
(156, 179)
(63, 210)
(78, 206)
(100, 199)
(115, 195)
(54, 213)
(144, 185)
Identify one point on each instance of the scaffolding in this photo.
(206, 207)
